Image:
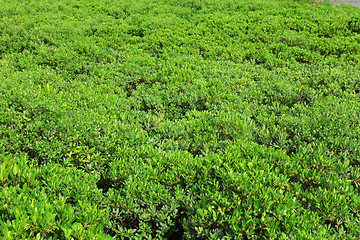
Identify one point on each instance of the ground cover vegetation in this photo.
(179, 119)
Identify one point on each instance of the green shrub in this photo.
(179, 120)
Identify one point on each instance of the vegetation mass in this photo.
(179, 119)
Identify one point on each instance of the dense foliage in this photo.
(179, 119)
